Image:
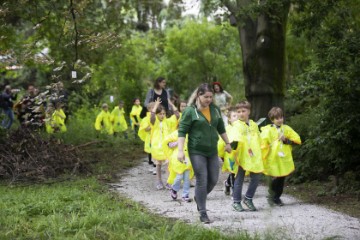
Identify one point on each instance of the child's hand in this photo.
(282, 138)
(157, 101)
(147, 129)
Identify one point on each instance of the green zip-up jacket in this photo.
(202, 135)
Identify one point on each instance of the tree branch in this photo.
(72, 10)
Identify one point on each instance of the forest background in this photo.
(118, 48)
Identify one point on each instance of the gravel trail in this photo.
(294, 220)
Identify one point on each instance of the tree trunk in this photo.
(262, 42)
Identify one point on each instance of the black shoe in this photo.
(204, 218)
(278, 202)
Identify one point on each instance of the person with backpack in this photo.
(6, 104)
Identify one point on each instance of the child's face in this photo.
(105, 109)
(121, 105)
(278, 121)
(182, 106)
(243, 114)
(233, 117)
(137, 102)
(161, 115)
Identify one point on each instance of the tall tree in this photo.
(262, 30)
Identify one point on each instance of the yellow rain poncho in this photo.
(145, 135)
(119, 122)
(159, 130)
(135, 115)
(171, 153)
(278, 161)
(229, 165)
(103, 123)
(248, 155)
(59, 120)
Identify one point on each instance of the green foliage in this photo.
(203, 52)
(332, 143)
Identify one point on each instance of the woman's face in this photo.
(206, 99)
(216, 88)
(162, 84)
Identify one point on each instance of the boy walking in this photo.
(248, 158)
(277, 140)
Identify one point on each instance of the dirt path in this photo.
(295, 220)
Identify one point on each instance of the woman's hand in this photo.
(181, 156)
(228, 148)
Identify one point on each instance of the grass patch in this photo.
(85, 209)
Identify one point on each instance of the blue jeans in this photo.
(185, 176)
(9, 119)
(239, 180)
(206, 171)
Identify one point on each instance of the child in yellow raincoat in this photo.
(119, 122)
(59, 118)
(173, 125)
(144, 134)
(248, 158)
(229, 164)
(159, 130)
(103, 121)
(277, 140)
(183, 170)
(135, 116)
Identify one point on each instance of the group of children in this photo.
(254, 152)
(113, 122)
(159, 133)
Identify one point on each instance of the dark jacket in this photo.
(7, 100)
(202, 135)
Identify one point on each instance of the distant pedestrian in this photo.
(135, 116)
(6, 104)
(103, 122)
(119, 122)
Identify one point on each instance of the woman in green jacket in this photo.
(203, 123)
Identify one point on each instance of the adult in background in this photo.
(7, 98)
(159, 91)
(222, 99)
(203, 124)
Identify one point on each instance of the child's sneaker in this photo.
(168, 186)
(237, 207)
(227, 188)
(160, 186)
(249, 204)
(173, 194)
(186, 198)
(154, 172)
